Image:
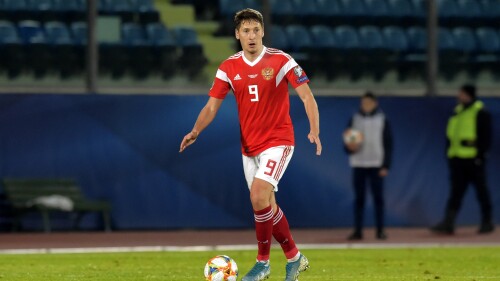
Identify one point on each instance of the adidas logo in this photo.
(237, 77)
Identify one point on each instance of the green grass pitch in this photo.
(343, 264)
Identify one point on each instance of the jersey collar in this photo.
(256, 61)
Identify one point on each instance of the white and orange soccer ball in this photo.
(353, 136)
(221, 268)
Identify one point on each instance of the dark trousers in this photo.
(362, 177)
(462, 173)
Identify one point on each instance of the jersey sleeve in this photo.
(221, 85)
(295, 75)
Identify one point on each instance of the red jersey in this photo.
(261, 91)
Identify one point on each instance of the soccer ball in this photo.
(352, 136)
(221, 268)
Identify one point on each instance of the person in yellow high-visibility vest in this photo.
(469, 135)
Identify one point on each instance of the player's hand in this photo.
(188, 140)
(352, 147)
(314, 138)
(383, 172)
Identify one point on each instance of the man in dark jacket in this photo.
(469, 135)
(370, 160)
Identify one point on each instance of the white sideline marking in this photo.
(240, 248)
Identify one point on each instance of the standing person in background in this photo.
(259, 78)
(368, 141)
(469, 139)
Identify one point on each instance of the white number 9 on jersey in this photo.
(253, 90)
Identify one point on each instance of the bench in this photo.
(24, 196)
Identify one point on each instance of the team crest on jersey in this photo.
(268, 73)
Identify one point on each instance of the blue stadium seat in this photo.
(279, 39)
(322, 37)
(164, 48)
(371, 38)
(79, 31)
(282, 11)
(66, 58)
(8, 33)
(117, 6)
(304, 8)
(57, 33)
(354, 10)
(69, 5)
(395, 39)
(31, 32)
(447, 10)
(133, 35)
(298, 37)
(328, 8)
(185, 36)
(15, 5)
(229, 7)
(446, 41)
(378, 10)
(146, 9)
(158, 35)
(346, 37)
(192, 58)
(419, 8)
(11, 56)
(40, 5)
(401, 9)
(470, 10)
(488, 40)
(491, 11)
(254, 4)
(37, 53)
(417, 38)
(465, 40)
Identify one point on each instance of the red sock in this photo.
(281, 232)
(264, 232)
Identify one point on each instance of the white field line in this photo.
(240, 247)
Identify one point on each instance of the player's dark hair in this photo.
(370, 95)
(247, 15)
(469, 89)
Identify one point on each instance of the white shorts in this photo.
(269, 165)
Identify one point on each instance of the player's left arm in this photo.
(312, 112)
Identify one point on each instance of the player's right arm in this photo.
(206, 116)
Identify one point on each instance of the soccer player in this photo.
(259, 78)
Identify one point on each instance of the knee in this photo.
(259, 199)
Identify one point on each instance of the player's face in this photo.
(250, 35)
(463, 98)
(368, 105)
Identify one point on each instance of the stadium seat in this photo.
(305, 9)
(120, 8)
(79, 31)
(419, 9)
(465, 40)
(35, 47)
(354, 12)
(282, 11)
(279, 39)
(447, 10)
(138, 48)
(146, 9)
(322, 49)
(163, 48)
(15, 10)
(402, 11)
(488, 56)
(70, 10)
(61, 44)
(228, 8)
(470, 13)
(328, 12)
(192, 58)
(397, 44)
(378, 12)
(375, 54)
(414, 61)
(491, 11)
(450, 57)
(11, 56)
(298, 37)
(347, 51)
(254, 4)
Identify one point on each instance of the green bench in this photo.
(26, 195)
